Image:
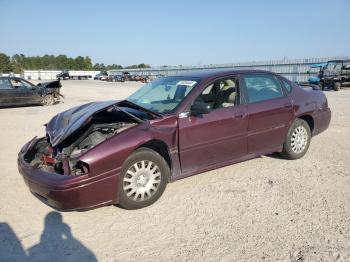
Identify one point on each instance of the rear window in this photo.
(4, 83)
(262, 87)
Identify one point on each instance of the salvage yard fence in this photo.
(293, 69)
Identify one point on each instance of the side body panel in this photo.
(212, 138)
(268, 123)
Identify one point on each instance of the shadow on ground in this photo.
(275, 155)
(56, 244)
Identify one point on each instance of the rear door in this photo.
(270, 112)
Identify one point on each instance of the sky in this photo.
(181, 32)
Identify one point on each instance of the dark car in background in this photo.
(117, 78)
(15, 91)
(125, 152)
(335, 74)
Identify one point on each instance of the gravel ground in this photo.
(265, 209)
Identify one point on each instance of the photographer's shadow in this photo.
(56, 244)
(10, 247)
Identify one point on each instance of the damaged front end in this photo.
(52, 88)
(74, 132)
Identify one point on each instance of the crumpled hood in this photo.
(51, 84)
(66, 123)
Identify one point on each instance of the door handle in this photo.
(240, 115)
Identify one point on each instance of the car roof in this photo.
(209, 73)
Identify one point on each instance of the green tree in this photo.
(62, 62)
(5, 63)
(99, 67)
(143, 65)
(87, 63)
(18, 63)
(114, 66)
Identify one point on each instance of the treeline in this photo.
(19, 62)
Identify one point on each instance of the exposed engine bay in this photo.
(64, 157)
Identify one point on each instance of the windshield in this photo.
(165, 94)
(330, 65)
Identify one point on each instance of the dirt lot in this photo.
(265, 209)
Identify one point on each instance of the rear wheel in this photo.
(321, 85)
(297, 141)
(337, 86)
(143, 179)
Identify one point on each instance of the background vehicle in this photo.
(101, 76)
(317, 72)
(126, 76)
(336, 74)
(116, 78)
(125, 152)
(73, 75)
(15, 91)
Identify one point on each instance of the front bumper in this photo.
(66, 193)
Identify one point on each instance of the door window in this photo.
(4, 83)
(338, 66)
(221, 93)
(262, 87)
(19, 83)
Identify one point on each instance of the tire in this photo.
(137, 184)
(321, 85)
(336, 86)
(301, 134)
(48, 100)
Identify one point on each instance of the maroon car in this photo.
(125, 152)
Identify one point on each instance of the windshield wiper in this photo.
(144, 109)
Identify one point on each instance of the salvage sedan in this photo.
(125, 152)
(15, 91)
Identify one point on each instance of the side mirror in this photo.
(200, 108)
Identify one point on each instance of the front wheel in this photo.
(297, 141)
(143, 179)
(48, 100)
(337, 86)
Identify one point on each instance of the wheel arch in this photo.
(160, 147)
(309, 120)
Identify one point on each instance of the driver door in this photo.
(220, 135)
